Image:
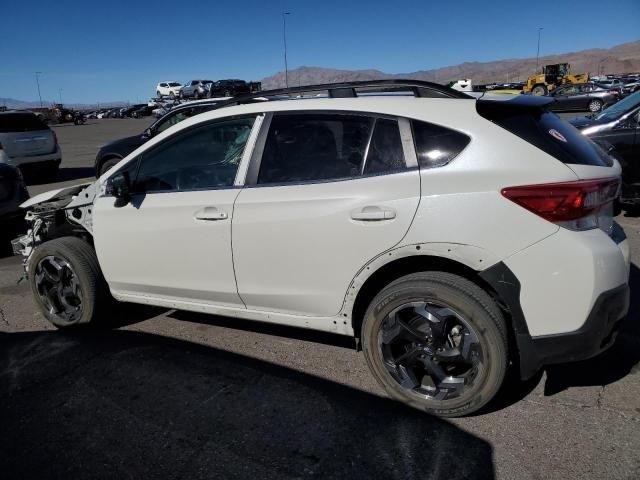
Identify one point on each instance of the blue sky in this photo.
(119, 50)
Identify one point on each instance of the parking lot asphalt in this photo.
(172, 394)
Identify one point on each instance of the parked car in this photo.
(582, 97)
(143, 111)
(168, 89)
(28, 143)
(195, 89)
(631, 86)
(128, 111)
(111, 153)
(386, 217)
(228, 88)
(12, 193)
(617, 129)
(611, 83)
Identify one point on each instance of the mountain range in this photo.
(623, 58)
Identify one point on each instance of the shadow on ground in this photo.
(616, 363)
(135, 405)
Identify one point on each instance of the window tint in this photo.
(206, 157)
(314, 147)
(385, 150)
(549, 133)
(435, 145)
(20, 122)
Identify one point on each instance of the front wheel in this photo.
(67, 282)
(595, 105)
(437, 342)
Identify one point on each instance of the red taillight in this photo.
(562, 202)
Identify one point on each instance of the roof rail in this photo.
(419, 88)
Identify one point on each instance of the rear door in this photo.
(326, 192)
(23, 134)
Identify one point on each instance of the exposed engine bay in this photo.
(66, 211)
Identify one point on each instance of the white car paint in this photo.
(299, 258)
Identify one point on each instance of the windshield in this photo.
(174, 84)
(618, 109)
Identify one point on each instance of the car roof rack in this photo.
(418, 88)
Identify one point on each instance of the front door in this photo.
(173, 239)
(331, 192)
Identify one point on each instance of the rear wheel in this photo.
(595, 105)
(436, 342)
(67, 283)
(539, 90)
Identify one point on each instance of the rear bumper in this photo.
(56, 156)
(596, 335)
(571, 301)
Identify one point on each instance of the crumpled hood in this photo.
(55, 194)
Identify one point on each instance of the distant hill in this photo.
(623, 58)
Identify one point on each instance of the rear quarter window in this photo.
(20, 122)
(435, 145)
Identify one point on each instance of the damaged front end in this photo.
(59, 213)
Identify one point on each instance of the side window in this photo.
(314, 147)
(435, 145)
(205, 157)
(385, 150)
(163, 84)
(180, 115)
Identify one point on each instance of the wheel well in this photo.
(414, 264)
(106, 158)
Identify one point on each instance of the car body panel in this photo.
(163, 251)
(310, 247)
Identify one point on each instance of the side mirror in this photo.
(119, 186)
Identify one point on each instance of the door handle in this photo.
(373, 213)
(210, 214)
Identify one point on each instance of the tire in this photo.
(595, 105)
(540, 90)
(74, 264)
(172, 95)
(108, 164)
(477, 322)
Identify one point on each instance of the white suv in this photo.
(168, 89)
(450, 236)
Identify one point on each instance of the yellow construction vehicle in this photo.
(553, 76)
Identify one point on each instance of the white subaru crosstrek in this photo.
(452, 237)
(168, 89)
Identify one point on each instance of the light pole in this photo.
(538, 52)
(38, 83)
(60, 94)
(284, 39)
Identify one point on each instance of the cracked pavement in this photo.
(180, 395)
